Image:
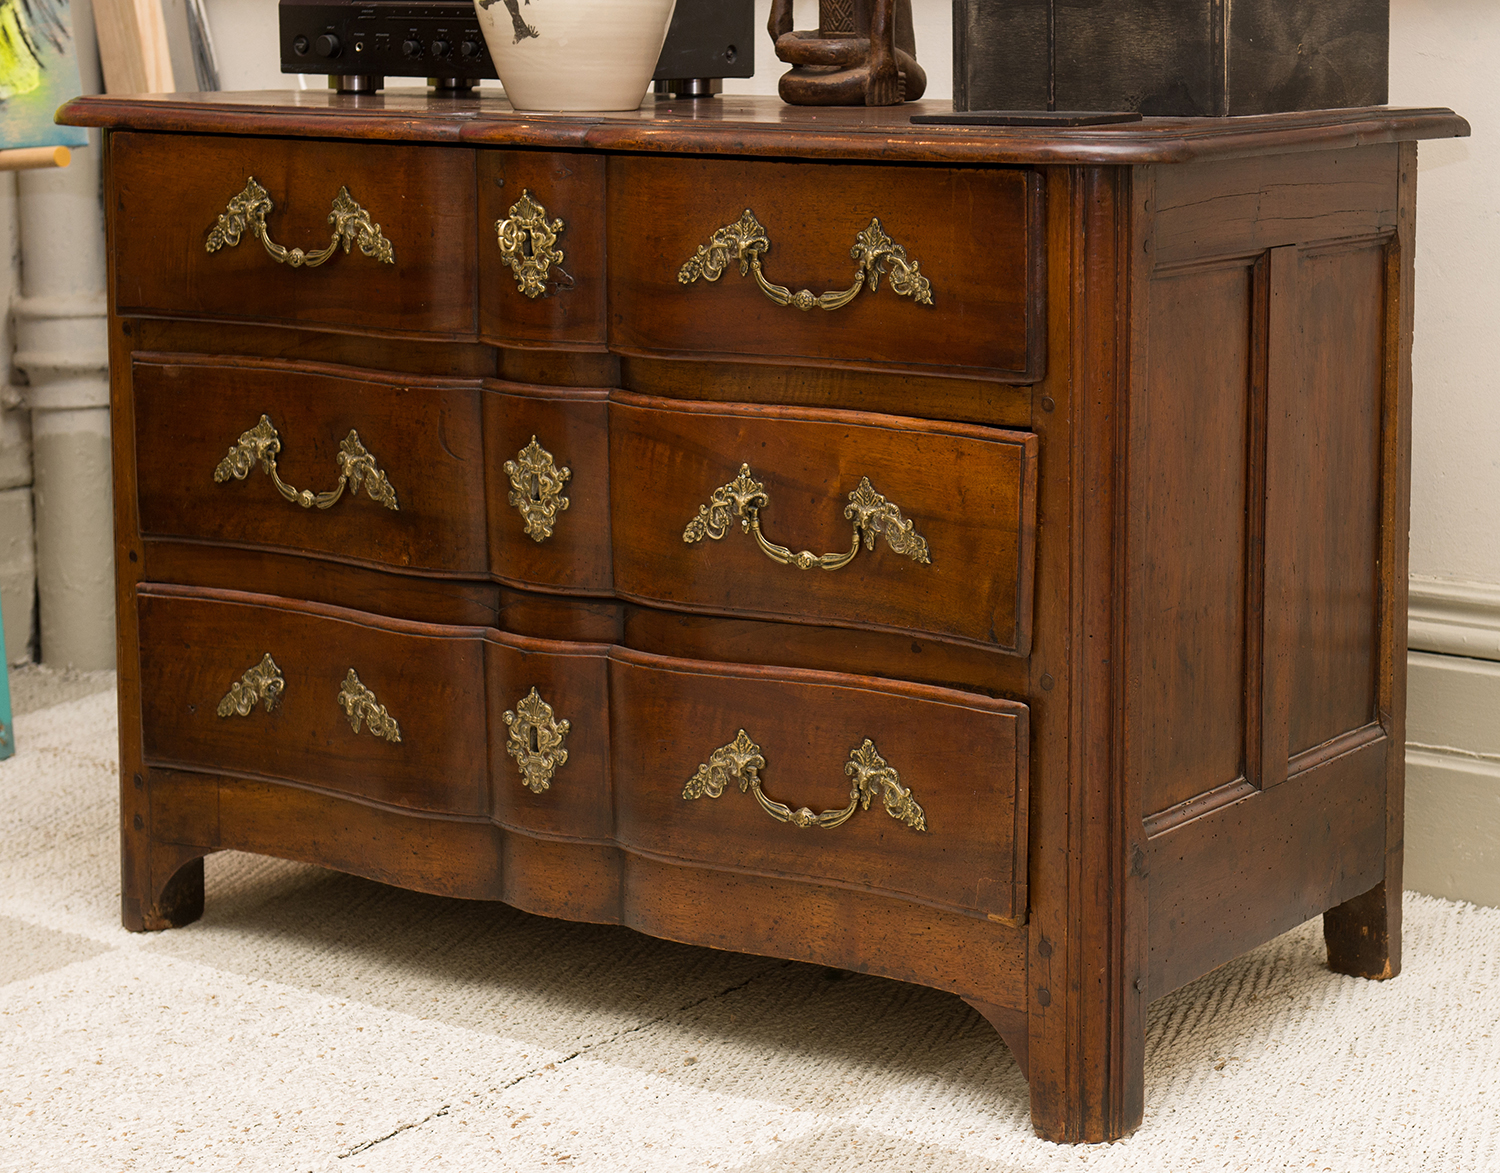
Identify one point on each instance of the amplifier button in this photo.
(441, 48)
(327, 45)
(470, 50)
(411, 48)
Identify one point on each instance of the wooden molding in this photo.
(1454, 618)
(133, 49)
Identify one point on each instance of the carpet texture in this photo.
(313, 1021)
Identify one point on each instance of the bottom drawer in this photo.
(901, 789)
(895, 789)
(383, 710)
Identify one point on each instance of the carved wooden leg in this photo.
(180, 900)
(1364, 934)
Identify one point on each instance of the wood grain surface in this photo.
(421, 197)
(969, 491)
(986, 306)
(762, 126)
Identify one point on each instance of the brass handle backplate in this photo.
(746, 241)
(351, 225)
(536, 485)
(528, 244)
(744, 498)
(741, 761)
(262, 443)
(536, 741)
(264, 682)
(359, 704)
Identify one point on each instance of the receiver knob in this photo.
(327, 45)
(469, 50)
(411, 48)
(441, 48)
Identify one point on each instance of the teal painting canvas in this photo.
(38, 73)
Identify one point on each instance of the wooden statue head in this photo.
(863, 53)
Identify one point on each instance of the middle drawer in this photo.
(803, 515)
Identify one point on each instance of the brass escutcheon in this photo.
(536, 485)
(528, 244)
(536, 741)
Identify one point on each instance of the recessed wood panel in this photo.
(1191, 516)
(1330, 474)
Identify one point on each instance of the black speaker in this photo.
(376, 39)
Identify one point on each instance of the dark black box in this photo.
(1187, 57)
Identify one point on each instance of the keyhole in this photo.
(536, 487)
(536, 742)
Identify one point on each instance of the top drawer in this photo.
(169, 193)
(936, 267)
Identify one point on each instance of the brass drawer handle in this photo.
(527, 244)
(359, 704)
(264, 682)
(746, 241)
(741, 761)
(744, 497)
(536, 485)
(536, 741)
(356, 466)
(351, 226)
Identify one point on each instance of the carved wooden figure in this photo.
(863, 53)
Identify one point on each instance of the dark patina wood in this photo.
(1155, 429)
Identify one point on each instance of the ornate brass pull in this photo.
(527, 244)
(744, 497)
(359, 704)
(262, 443)
(746, 241)
(536, 741)
(351, 226)
(741, 761)
(536, 486)
(264, 682)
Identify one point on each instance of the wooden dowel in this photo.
(28, 158)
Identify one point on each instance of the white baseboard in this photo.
(1453, 777)
(1454, 618)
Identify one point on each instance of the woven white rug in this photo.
(314, 1021)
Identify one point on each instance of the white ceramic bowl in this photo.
(575, 54)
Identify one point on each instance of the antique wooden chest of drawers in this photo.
(975, 557)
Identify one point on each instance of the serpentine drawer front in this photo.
(708, 256)
(906, 524)
(893, 788)
(241, 232)
(351, 464)
(331, 698)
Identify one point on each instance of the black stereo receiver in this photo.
(359, 45)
